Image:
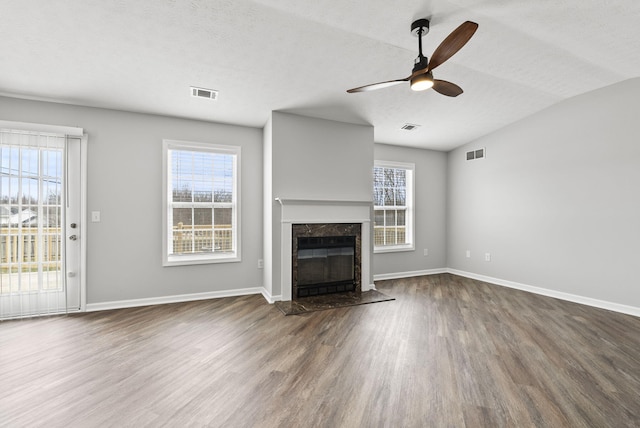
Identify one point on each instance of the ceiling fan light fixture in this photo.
(422, 82)
(421, 77)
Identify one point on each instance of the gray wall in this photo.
(430, 211)
(124, 183)
(313, 159)
(321, 159)
(555, 201)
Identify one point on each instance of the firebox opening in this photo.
(326, 264)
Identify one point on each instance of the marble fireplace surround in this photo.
(308, 211)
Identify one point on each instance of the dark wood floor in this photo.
(448, 352)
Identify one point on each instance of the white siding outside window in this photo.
(201, 195)
(393, 194)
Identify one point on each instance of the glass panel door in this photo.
(39, 196)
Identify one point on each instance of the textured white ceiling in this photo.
(301, 56)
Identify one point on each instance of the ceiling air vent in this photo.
(475, 154)
(204, 93)
(410, 127)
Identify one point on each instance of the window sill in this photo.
(199, 260)
(393, 249)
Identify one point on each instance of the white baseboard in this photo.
(119, 304)
(367, 287)
(398, 275)
(602, 304)
(268, 297)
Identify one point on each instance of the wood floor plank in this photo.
(448, 352)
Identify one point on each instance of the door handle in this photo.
(73, 237)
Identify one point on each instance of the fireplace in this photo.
(309, 218)
(326, 258)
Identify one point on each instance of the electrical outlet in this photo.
(487, 257)
(426, 251)
(260, 264)
(468, 253)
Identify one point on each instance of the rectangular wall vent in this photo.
(204, 93)
(476, 154)
(409, 126)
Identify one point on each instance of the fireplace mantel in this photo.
(293, 201)
(295, 211)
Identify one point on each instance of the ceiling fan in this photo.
(422, 77)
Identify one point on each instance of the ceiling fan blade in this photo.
(379, 85)
(446, 88)
(453, 43)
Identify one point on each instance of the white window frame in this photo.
(167, 212)
(409, 208)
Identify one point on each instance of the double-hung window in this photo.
(201, 195)
(393, 206)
